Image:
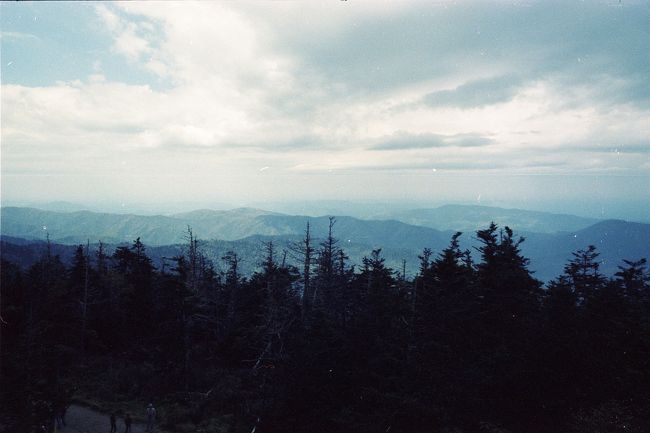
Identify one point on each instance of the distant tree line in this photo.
(468, 345)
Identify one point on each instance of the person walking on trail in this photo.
(127, 423)
(151, 417)
(113, 423)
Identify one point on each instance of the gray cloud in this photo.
(611, 146)
(404, 141)
(308, 142)
(476, 93)
(569, 43)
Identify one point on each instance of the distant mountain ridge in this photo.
(470, 218)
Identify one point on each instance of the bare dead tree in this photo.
(84, 301)
(304, 252)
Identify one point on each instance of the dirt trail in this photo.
(80, 419)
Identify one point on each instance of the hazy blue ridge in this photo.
(472, 218)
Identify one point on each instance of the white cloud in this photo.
(18, 35)
(109, 18)
(129, 36)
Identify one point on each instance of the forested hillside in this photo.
(473, 343)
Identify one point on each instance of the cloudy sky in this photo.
(510, 103)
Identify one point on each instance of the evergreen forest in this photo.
(472, 343)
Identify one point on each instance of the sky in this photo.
(521, 104)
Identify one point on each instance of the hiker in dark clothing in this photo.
(151, 417)
(127, 423)
(113, 423)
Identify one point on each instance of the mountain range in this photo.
(550, 238)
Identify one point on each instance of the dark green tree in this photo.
(509, 323)
(136, 278)
(584, 275)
